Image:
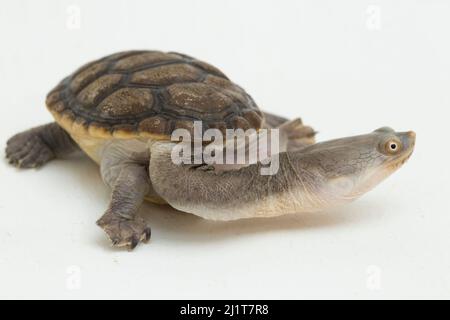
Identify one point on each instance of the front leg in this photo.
(129, 187)
(35, 147)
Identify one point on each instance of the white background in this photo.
(345, 67)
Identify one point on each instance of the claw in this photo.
(134, 242)
(124, 232)
(27, 150)
(148, 234)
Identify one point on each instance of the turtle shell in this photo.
(150, 94)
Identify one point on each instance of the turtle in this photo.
(122, 110)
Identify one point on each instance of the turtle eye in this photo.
(393, 146)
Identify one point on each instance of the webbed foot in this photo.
(124, 232)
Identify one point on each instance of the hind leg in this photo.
(273, 121)
(35, 147)
(295, 136)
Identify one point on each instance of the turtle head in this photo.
(349, 167)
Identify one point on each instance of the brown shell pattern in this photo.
(152, 92)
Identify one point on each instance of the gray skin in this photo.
(311, 177)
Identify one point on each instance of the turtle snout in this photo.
(408, 139)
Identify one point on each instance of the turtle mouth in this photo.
(400, 161)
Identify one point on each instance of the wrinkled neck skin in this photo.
(316, 178)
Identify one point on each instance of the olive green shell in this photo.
(150, 93)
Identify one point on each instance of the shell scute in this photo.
(98, 88)
(87, 75)
(145, 58)
(156, 124)
(166, 75)
(126, 102)
(149, 94)
(198, 97)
